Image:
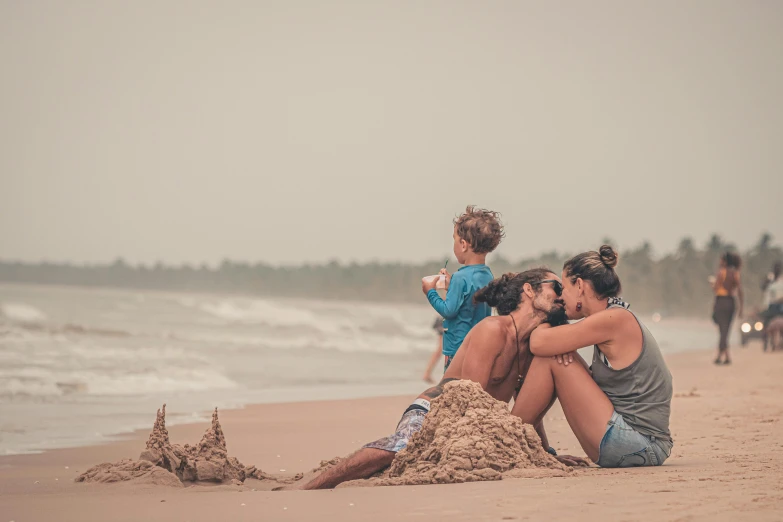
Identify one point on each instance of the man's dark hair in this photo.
(505, 292)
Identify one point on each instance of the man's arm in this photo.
(455, 297)
(437, 390)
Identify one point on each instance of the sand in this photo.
(468, 436)
(127, 470)
(726, 465)
(166, 464)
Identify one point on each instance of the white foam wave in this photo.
(173, 380)
(284, 324)
(39, 382)
(351, 341)
(257, 312)
(21, 313)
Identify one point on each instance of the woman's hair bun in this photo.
(608, 256)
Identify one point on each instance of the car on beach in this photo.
(752, 328)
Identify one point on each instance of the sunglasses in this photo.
(557, 286)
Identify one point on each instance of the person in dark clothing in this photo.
(728, 291)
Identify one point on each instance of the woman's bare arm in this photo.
(546, 341)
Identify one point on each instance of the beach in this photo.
(726, 464)
(223, 224)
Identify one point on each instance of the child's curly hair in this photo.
(481, 228)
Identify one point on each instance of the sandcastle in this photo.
(174, 465)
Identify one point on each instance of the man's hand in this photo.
(565, 359)
(574, 462)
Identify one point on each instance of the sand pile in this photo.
(139, 471)
(254, 472)
(172, 464)
(469, 436)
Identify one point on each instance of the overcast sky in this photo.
(288, 132)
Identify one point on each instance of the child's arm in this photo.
(455, 297)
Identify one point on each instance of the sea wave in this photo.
(40, 382)
(341, 326)
(21, 313)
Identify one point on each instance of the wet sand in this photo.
(726, 465)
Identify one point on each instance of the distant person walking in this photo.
(727, 287)
(436, 355)
(772, 312)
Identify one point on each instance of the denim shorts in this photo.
(624, 447)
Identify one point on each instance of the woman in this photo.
(619, 408)
(726, 286)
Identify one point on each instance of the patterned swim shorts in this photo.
(410, 423)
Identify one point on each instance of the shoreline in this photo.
(335, 393)
(725, 464)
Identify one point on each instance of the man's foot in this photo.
(726, 362)
(718, 361)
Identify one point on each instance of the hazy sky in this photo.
(303, 131)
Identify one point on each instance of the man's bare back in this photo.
(495, 339)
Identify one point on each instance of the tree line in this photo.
(673, 284)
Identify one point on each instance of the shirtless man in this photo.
(494, 354)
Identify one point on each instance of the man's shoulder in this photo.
(489, 335)
(492, 326)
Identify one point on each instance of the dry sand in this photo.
(468, 436)
(726, 465)
(166, 464)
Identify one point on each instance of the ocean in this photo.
(84, 365)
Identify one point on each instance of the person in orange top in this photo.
(726, 287)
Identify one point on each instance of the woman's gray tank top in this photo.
(641, 392)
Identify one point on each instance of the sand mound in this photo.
(469, 436)
(139, 471)
(163, 461)
(326, 464)
(253, 472)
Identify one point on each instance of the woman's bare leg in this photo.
(586, 407)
